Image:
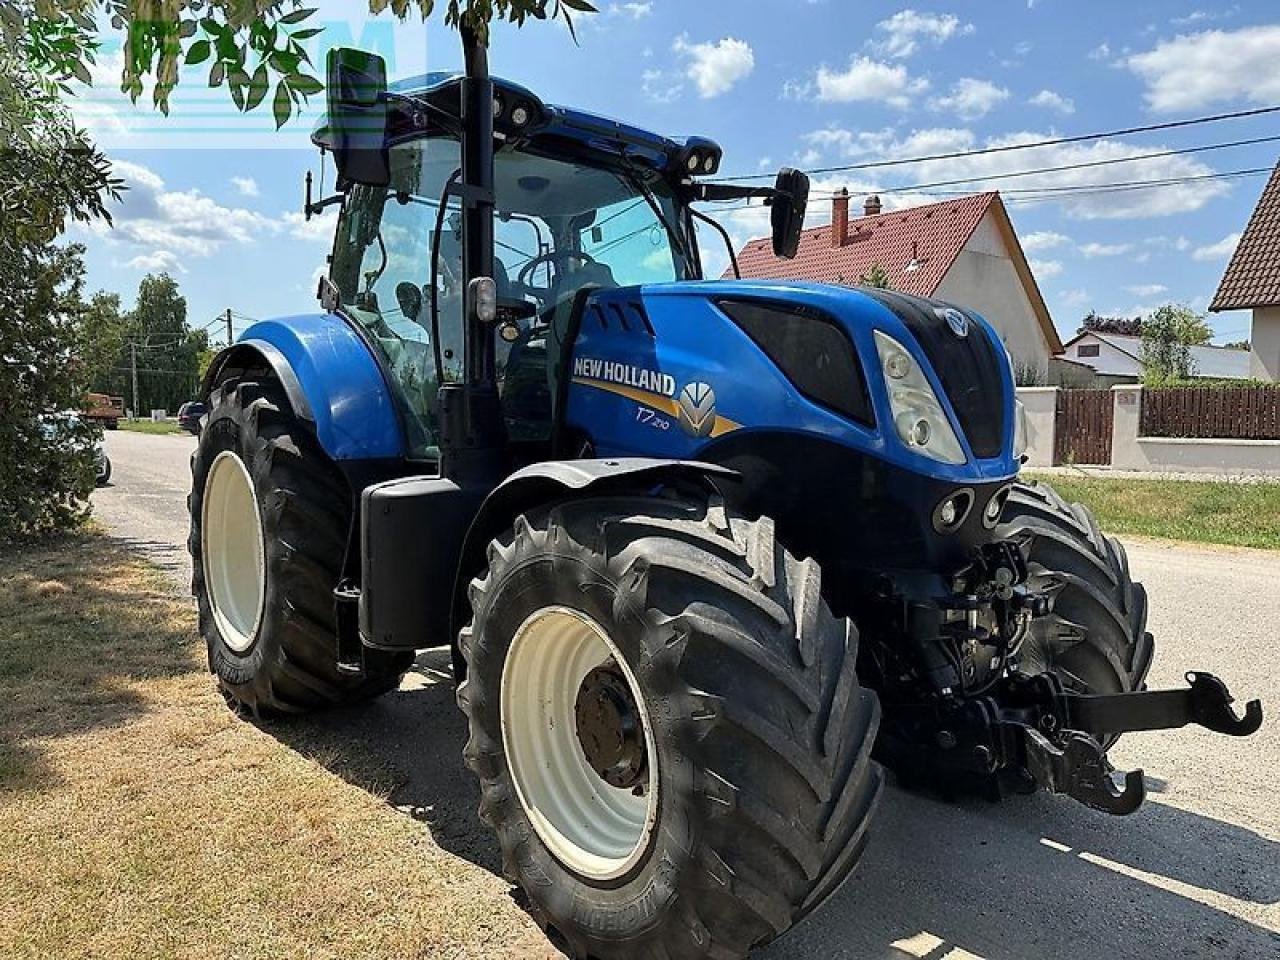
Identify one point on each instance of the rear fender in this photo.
(547, 482)
(334, 383)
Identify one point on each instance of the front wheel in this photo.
(270, 515)
(671, 740)
(1096, 639)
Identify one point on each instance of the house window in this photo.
(1087, 350)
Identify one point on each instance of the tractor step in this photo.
(346, 614)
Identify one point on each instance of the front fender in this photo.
(332, 380)
(554, 480)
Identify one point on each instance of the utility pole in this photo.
(133, 363)
(231, 336)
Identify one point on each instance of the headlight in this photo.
(1019, 428)
(921, 422)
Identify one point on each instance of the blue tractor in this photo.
(710, 555)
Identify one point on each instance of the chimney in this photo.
(840, 218)
(872, 207)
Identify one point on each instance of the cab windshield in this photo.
(560, 225)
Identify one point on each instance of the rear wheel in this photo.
(270, 516)
(1096, 639)
(671, 741)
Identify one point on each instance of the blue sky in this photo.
(216, 196)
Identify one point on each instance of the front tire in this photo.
(270, 515)
(1096, 639)
(742, 781)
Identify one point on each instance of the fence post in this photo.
(1041, 404)
(1126, 404)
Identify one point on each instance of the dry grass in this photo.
(141, 819)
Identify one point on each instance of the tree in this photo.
(876, 276)
(1167, 338)
(49, 174)
(1238, 345)
(168, 352)
(246, 44)
(1120, 326)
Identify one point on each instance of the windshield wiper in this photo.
(676, 240)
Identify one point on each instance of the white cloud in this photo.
(1043, 240)
(179, 223)
(1105, 249)
(1221, 250)
(1101, 52)
(1053, 101)
(1045, 269)
(1193, 71)
(634, 11)
(716, 67)
(247, 186)
(906, 29)
(159, 261)
(319, 229)
(867, 79)
(661, 86)
(970, 98)
(1147, 289)
(1075, 298)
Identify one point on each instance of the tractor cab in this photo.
(580, 203)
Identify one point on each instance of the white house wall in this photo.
(984, 279)
(1110, 360)
(1265, 338)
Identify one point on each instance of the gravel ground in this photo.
(1195, 873)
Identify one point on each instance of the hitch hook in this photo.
(1080, 770)
(1211, 707)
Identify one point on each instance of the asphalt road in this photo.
(1195, 873)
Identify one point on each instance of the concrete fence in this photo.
(1131, 451)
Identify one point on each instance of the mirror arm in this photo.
(716, 192)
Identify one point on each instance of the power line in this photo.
(1008, 148)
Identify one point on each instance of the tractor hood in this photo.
(811, 357)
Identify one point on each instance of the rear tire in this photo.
(764, 781)
(1096, 640)
(284, 659)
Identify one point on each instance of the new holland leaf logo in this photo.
(697, 413)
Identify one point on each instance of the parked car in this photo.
(190, 414)
(62, 427)
(104, 409)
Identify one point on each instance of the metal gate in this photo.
(1083, 427)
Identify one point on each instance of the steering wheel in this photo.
(551, 256)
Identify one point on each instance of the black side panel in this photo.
(812, 351)
(971, 368)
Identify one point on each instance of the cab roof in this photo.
(550, 122)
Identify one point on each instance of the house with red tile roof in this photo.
(963, 251)
(1252, 281)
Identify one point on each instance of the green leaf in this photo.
(258, 87)
(282, 106)
(308, 33)
(284, 61)
(580, 5)
(217, 74)
(200, 51)
(305, 85)
(298, 15)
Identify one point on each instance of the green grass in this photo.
(1242, 515)
(150, 426)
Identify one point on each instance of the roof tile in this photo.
(930, 236)
(1253, 275)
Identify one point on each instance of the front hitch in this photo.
(1076, 764)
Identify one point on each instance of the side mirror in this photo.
(791, 196)
(357, 105)
(409, 297)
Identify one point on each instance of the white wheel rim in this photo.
(235, 570)
(594, 828)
